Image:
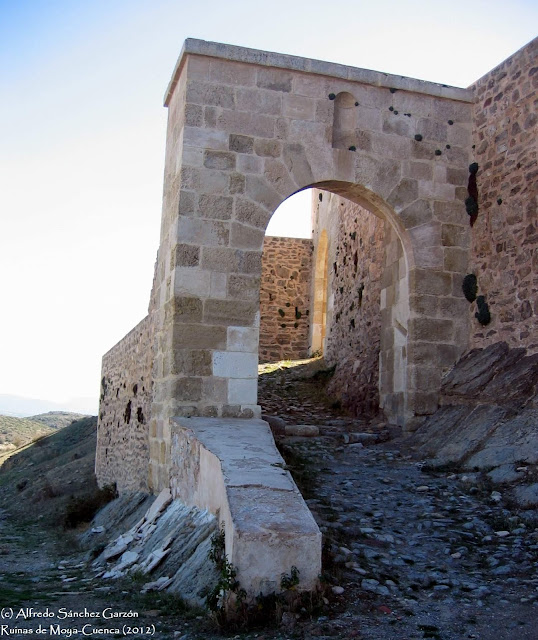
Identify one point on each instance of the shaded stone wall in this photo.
(285, 298)
(353, 331)
(504, 254)
(122, 455)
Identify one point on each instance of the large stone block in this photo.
(235, 364)
(431, 329)
(198, 336)
(215, 206)
(230, 312)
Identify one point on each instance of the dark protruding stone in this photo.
(471, 206)
(470, 287)
(482, 315)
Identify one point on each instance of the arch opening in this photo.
(359, 298)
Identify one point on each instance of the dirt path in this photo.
(407, 554)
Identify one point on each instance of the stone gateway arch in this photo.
(246, 130)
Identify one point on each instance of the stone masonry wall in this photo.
(504, 254)
(284, 298)
(126, 393)
(353, 335)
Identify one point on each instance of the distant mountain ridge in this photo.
(22, 407)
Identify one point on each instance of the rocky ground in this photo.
(408, 553)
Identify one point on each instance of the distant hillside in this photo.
(16, 432)
(57, 419)
(45, 476)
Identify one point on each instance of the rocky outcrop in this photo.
(488, 421)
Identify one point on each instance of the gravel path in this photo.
(408, 554)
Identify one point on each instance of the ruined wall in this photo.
(285, 298)
(122, 455)
(505, 236)
(355, 268)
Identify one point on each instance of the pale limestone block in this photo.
(191, 281)
(203, 231)
(192, 156)
(259, 101)
(215, 390)
(234, 73)
(198, 68)
(249, 164)
(459, 135)
(311, 86)
(324, 111)
(235, 364)
(418, 170)
(261, 192)
(205, 93)
(300, 107)
(205, 138)
(274, 79)
(242, 391)
(242, 339)
(246, 237)
(309, 134)
(296, 161)
(277, 174)
(214, 181)
(391, 146)
(246, 123)
(370, 119)
(428, 257)
(218, 285)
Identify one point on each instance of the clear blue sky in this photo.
(82, 134)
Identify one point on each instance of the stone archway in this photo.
(247, 130)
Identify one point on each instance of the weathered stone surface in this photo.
(505, 235)
(284, 297)
(496, 374)
(488, 421)
(170, 542)
(241, 477)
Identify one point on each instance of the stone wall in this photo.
(504, 254)
(125, 404)
(285, 298)
(353, 331)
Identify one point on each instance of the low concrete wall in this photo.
(241, 478)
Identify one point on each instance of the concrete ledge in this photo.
(309, 65)
(233, 469)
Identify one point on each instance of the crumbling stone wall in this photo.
(354, 320)
(126, 394)
(285, 298)
(504, 255)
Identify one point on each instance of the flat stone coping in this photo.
(309, 65)
(232, 468)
